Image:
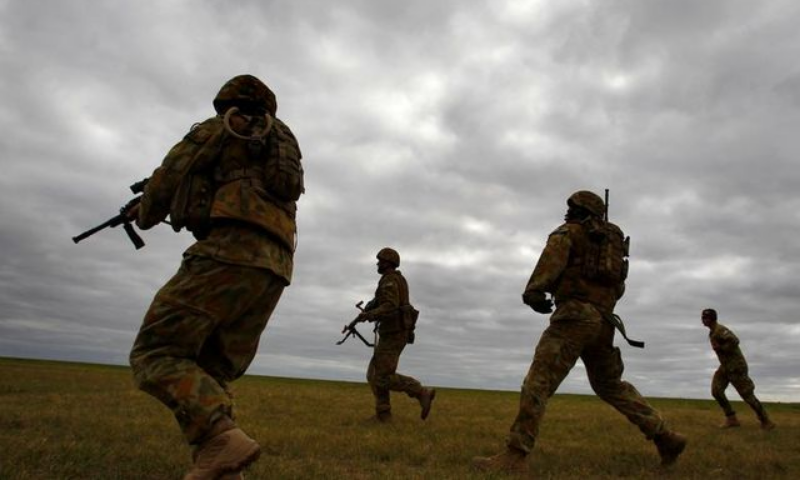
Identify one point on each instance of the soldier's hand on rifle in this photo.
(538, 301)
(133, 212)
(364, 317)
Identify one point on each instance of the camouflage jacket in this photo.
(559, 271)
(726, 346)
(234, 242)
(391, 294)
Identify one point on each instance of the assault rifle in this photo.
(121, 219)
(351, 330)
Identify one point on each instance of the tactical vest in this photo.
(252, 181)
(405, 317)
(597, 265)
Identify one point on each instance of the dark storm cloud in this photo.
(452, 132)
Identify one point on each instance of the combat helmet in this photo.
(390, 255)
(248, 93)
(709, 313)
(588, 201)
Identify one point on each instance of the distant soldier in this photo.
(732, 369)
(395, 316)
(583, 265)
(233, 182)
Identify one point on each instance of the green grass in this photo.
(80, 421)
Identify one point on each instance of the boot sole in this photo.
(673, 457)
(484, 464)
(252, 454)
(427, 411)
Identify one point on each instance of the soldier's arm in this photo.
(160, 189)
(387, 298)
(726, 340)
(551, 263)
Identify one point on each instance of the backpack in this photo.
(607, 254)
(283, 171)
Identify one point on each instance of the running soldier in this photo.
(732, 370)
(583, 266)
(233, 182)
(396, 319)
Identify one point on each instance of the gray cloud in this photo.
(452, 132)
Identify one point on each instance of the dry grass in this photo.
(77, 421)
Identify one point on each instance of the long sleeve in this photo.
(387, 296)
(552, 262)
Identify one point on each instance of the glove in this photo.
(537, 301)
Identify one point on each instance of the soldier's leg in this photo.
(382, 365)
(371, 374)
(604, 367)
(229, 350)
(718, 385)
(183, 315)
(556, 353)
(746, 388)
(397, 382)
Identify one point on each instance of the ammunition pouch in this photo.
(409, 316)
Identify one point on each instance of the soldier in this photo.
(393, 312)
(583, 267)
(233, 181)
(732, 369)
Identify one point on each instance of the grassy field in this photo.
(78, 421)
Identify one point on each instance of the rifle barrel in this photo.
(113, 222)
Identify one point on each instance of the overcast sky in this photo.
(451, 131)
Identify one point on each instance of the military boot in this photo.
(379, 417)
(730, 422)
(232, 476)
(383, 417)
(426, 401)
(510, 461)
(767, 424)
(226, 453)
(670, 445)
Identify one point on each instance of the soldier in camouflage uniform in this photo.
(580, 328)
(732, 370)
(233, 181)
(394, 333)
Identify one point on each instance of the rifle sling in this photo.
(615, 320)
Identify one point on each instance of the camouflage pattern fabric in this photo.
(245, 90)
(382, 372)
(200, 333)
(239, 244)
(732, 370)
(391, 294)
(577, 330)
(197, 148)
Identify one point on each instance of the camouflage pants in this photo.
(382, 372)
(743, 384)
(200, 333)
(559, 348)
